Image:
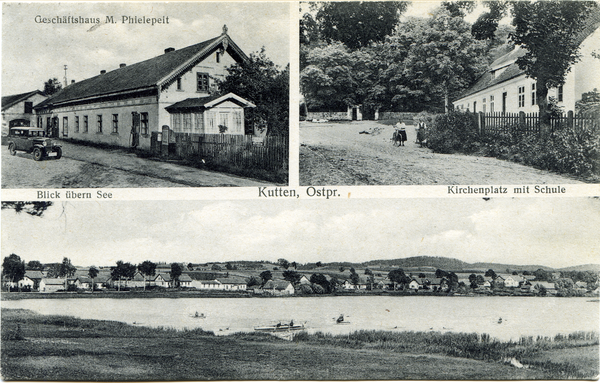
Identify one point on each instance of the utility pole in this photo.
(66, 83)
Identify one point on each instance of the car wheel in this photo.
(58, 153)
(11, 149)
(37, 154)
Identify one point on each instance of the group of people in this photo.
(399, 137)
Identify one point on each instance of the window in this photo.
(85, 124)
(176, 122)
(202, 80)
(115, 123)
(144, 123)
(65, 126)
(521, 96)
(210, 121)
(76, 124)
(493, 73)
(99, 124)
(179, 83)
(484, 105)
(491, 104)
(237, 122)
(28, 107)
(533, 95)
(560, 93)
(199, 122)
(48, 124)
(187, 122)
(218, 57)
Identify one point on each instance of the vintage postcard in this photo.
(145, 94)
(416, 199)
(433, 93)
(433, 289)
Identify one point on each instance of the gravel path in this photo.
(89, 167)
(337, 154)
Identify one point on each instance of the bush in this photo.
(455, 132)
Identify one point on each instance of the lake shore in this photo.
(39, 347)
(6, 296)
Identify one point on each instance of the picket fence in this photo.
(269, 153)
(529, 123)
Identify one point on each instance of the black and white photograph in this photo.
(416, 289)
(456, 92)
(140, 94)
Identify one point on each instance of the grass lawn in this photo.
(36, 347)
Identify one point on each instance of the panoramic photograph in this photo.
(145, 94)
(384, 289)
(438, 93)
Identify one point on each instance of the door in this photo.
(224, 125)
(504, 96)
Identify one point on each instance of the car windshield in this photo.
(36, 133)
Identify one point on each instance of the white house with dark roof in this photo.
(126, 105)
(505, 88)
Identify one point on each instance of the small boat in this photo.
(198, 315)
(500, 321)
(280, 327)
(341, 320)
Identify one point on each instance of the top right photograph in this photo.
(446, 93)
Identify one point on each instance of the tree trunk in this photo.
(92, 285)
(541, 91)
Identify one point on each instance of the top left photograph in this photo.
(142, 95)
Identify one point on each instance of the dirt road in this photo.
(337, 154)
(88, 167)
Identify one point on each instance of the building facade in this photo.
(124, 106)
(17, 109)
(505, 88)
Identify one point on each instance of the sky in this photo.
(34, 52)
(553, 232)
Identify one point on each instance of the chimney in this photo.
(122, 65)
(102, 71)
(72, 81)
(169, 50)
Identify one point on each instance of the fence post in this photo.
(570, 118)
(521, 118)
(480, 122)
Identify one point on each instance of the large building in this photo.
(505, 88)
(125, 106)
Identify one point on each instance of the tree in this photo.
(283, 263)
(368, 271)
(147, 269)
(342, 269)
(93, 273)
(487, 23)
(175, 273)
(319, 264)
(190, 266)
(357, 24)
(334, 283)
(397, 277)
(66, 270)
(458, 8)
(263, 83)
(444, 58)
(320, 280)
(490, 273)
(542, 275)
(13, 268)
(253, 281)
(122, 270)
(548, 31)
(35, 209)
(35, 265)
(52, 86)
(292, 276)
(216, 267)
(266, 276)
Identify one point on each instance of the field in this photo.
(36, 347)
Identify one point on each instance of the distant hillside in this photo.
(422, 261)
(589, 267)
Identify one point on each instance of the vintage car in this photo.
(32, 140)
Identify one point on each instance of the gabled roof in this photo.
(512, 69)
(185, 278)
(54, 281)
(148, 74)
(208, 102)
(277, 285)
(8, 101)
(232, 281)
(34, 274)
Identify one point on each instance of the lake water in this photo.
(521, 316)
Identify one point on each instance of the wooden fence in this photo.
(529, 123)
(272, 153)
